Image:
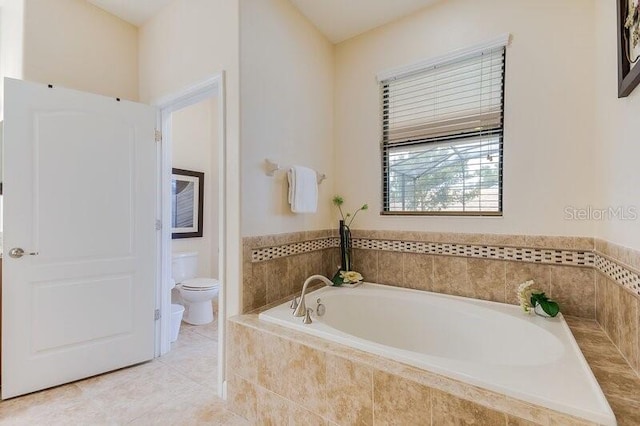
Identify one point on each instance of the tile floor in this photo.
(176, 389)
(180, 388)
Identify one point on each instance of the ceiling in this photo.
(136, 12)
(338, 20)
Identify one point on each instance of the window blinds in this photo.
(442, 137)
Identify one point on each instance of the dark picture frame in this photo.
(187, 203)
(628, 73)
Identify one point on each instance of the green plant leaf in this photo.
(550, 307)
(535, 299)
(538, 298)
(337, 279)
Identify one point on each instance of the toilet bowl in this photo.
(196, 293)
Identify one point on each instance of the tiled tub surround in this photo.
(486, 344)
(274, 279)
(281, 376)
(617, 303)
(604, 289)
(473, 265)
(483, 266)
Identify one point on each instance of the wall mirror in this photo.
(628, 46)
(187, 196)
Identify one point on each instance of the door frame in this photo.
(213, 86)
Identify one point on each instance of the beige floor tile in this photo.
(188, 339)
(197, 367)
(208, 330)
(179, 388)
(195, 408)
(148, 393)
(27, 404)
(81, 411)
(107, 381)
(65, 404)
(196, 357)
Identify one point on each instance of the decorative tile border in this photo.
(621, 275)
(618, 273)
(556, 257)
(270, 253)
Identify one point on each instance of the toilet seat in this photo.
(200, 284)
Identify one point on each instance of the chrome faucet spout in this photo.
(301, 309)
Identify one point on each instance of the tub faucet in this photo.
(301, 309)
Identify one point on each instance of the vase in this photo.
(540, 312)
(345, 247)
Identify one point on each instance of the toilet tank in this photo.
(184, 266)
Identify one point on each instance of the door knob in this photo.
(17, 253)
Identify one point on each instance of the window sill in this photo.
(450, 214)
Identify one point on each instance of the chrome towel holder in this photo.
(272, 167)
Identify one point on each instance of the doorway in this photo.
(150, 185)
(193, 140)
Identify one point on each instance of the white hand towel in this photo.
(303, 189)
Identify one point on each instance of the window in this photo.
(442, 136)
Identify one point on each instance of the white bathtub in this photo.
(488, 344)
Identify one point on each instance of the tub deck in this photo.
(620, 384)
(252, 384)
(482, 343)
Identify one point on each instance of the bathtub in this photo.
(491, 345)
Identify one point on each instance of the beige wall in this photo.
(11, 41)
(74, 44)
(194, 136)
(549, 118)
(287, 103)
(618, 137)
(187, 42)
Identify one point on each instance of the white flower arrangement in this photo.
(524, 296)
(350, 277)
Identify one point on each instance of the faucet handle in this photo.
(294, 303)
(320, 309)
(307, 317)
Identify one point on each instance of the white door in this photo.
(80, 200)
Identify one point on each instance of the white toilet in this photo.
(197, 293)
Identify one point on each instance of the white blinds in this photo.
(442, 136)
